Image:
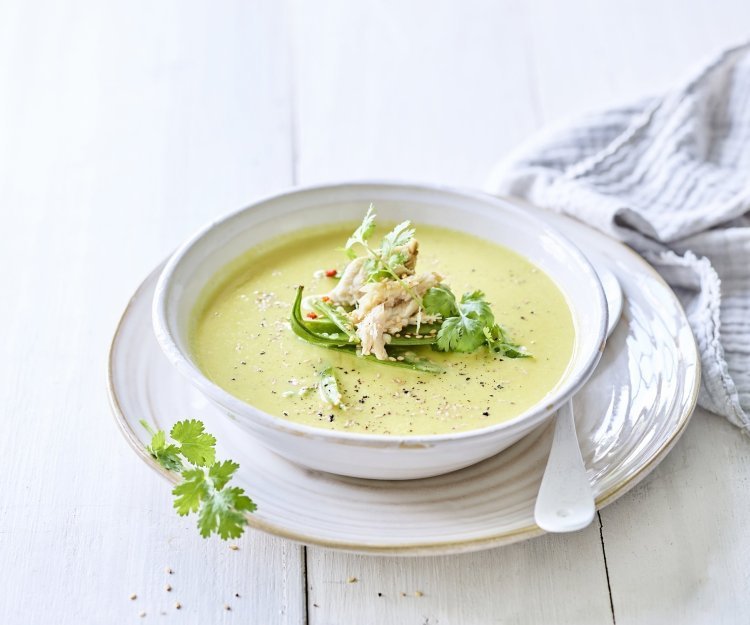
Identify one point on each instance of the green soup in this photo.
(241, 339)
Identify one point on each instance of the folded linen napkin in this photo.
(670, 176)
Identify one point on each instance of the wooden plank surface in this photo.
(677, 546)
(124, 126)
(552, 579)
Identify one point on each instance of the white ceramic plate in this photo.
(628, 416)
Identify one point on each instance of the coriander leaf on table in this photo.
(222, 472)
(195, 444)
(189, 493)
(221, 509)
(167, 456)
(224, 513)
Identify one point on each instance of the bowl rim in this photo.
(240, 409)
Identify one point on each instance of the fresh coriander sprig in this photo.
(386, 259)
(500, 345)
(468, 324)
(463, 326)
(221, 509)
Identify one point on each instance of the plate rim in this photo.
(427, 548)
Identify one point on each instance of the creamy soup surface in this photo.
(241, 338)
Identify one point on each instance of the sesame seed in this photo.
(133, 597)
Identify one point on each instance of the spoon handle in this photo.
(565, 502)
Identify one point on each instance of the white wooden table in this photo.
(126, 125)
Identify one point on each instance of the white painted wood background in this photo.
(126, 125)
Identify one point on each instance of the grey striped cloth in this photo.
(670, 176)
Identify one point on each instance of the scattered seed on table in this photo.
(168, 571)
(133, 597)
(419, 593)
(227, 607)
(352, 580)
(237, 594)
(177, 605)
(142, 614)
(234, 547)
(168, 588)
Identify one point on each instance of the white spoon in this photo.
(565, 502)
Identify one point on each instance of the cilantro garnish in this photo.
(453, 325)
(473, 326)
(203, 489)
(383, 262)
(500, 345)
(361, 234)
(465, 331)
(439, 300)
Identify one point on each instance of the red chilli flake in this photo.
(331, 273)
(325, 298)
(312, 315)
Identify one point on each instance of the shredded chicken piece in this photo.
(347, 291)
(387, 307)
(371, 335)
(410, 252)
(349, 288)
